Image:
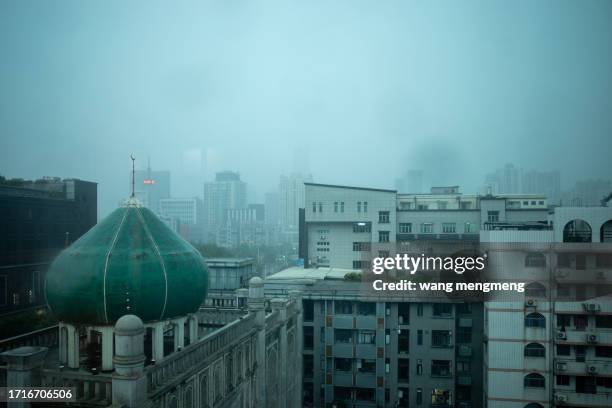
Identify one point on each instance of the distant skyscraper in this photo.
(587, 193)
(291, 190)
(151, 186)
(543, 182)
(272, 204)
(226, 192)
(189, 214)
(507, 180)
(412, 182)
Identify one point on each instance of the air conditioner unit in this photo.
(591, 369)
(561, 366)
(591, 338)
(531, 302)
(591, 307)
(561, 335)
(560, 398)
(400, 393)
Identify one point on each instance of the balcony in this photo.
(603, 399)
(588, 275)
(597, 337)
(588, 367)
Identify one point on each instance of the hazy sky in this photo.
(366, 88)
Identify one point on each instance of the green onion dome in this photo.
(129, 263)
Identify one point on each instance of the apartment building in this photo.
(366, 350)
(552, 345)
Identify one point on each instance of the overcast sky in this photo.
(366, 89)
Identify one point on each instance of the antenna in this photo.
(133, 173)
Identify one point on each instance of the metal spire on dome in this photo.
(133, 174)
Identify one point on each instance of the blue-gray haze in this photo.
(355, 91)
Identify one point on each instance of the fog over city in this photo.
(353, 92)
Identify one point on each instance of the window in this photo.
(335, 206)
(365, 394)
(493, 216)
(405, 228)
(463, 366)
(419, 309)
(308, 337)
(342, 206)
(343, 307)
(361, 264)
(420, 337)
(403, 341)
(320, 207)
(470, 228)
(440, 368)
(361, 246)
(344, 336)
(383, 236)
(366, 308)
(535, 289)
(366, 365)
(383, 217)
(3, 290)
(563, 380)
(541, 202)
(535, 320)
(358, 206)
(366, 337)
(441, 338)
(563, 350)
(449, 227)
(314, 207)
(383, 254)
(464, 335)
(365, 206)
(603, 322)
(426, 228)
(535, 260)
(603, 351)
(419, 367)
(534, 380)
(419, 396)
(442, 310)
(361, 227)
(535, 350)
(343, 364)
(403, 369)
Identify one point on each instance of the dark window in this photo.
(563, 380)
(420, 337)
(366, 366)
(383, 236)
(442, 310)
(405, 228)
(343, 307)
(343, 364)
(535, 260)
(534, 380)
(440, 368)
(308, 337)
(603, 351)
(535, 350)
(535, 320)
(366, 308)
(603, 322)
(403, 369)
(361, 227)
(383, 217)
(403, 313)
(441, 338)
(343, 336)
(493, 216)
(563, 350)
(365, 394)
(535, 289)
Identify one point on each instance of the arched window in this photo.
(605, 233)
(577, 231)
(534, 380)
(535, 260)
(188, 397)
(535, 289)
(535, 320)
(535, 350)
(533, 405)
